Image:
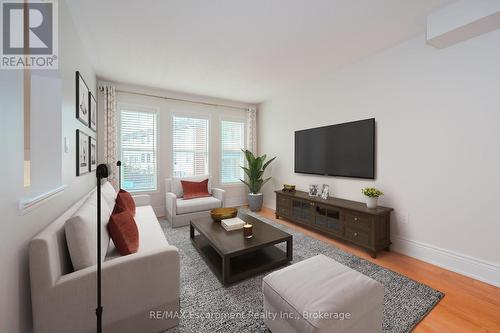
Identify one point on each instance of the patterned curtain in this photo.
(110, 133)
(252, 129)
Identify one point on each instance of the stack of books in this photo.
(234, 223)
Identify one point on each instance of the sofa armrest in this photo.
(171, 204)
(219, 194)
(142, 200)
(130, 284)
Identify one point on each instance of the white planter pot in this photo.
(371, 202)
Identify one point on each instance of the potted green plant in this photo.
(256, 165)
(372, 195)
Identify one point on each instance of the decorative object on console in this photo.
(248, 231)
(372, 195)
(82, 153)
(325, 191)
(313, 190)
(82, 100)
(93, 154)
(254, 172)
(92, 112)
(288, 188)
(219, 214)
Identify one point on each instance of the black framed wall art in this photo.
(82, 100)
(82, 153)
(92, 112)
(93, 154)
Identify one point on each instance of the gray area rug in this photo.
(208, 306)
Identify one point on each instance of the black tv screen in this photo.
(345, 150)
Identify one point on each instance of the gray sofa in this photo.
(133, 286)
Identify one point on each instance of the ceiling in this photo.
(243, 50)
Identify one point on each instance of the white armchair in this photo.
(179, 211)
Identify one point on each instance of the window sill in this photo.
(138, 192)
(227, 185)
(30, 203)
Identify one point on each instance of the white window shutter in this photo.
(232, 158)
(190, 146)
(138, 142)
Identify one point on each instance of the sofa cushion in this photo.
(123, 231)
(81, 233)
(109, 194)
(125, 201)
(151, 235)
(177, 186)
(194, 190)
(322, 285)
(197, 205)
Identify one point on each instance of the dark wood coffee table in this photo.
(232, 257)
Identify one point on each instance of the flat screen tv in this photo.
(344, 150)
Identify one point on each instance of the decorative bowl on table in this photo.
(219, 214)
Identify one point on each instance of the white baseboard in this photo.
(159, 211)
(236, 201)
(456, 262)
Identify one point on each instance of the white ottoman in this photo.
(321, 295)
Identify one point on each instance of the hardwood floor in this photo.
(468, 305)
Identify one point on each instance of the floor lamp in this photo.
(119, 165)
(101, 172)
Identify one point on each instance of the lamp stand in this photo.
(101, 172)
(119, 165)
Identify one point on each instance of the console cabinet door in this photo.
(302, 210)
(283, 205)
(328, 219)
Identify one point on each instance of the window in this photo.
(190, 146)
(232, 142)
(138, 135)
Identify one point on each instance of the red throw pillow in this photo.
(195, 189)
(123, 231)
(125, 201)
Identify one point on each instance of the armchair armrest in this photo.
(171, 205)
(130, 284)
(142, 200)
(219, 194)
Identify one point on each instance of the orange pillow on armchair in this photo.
(195, 189)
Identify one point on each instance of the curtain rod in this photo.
(181, 100)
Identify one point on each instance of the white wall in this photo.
(17, 230)
(236, 193)
(438, 162)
